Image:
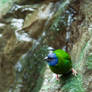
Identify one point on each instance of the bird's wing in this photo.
(62, 54)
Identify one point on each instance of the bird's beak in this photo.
(46, 58)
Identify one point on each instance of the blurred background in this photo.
(29, 28)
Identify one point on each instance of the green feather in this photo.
(64, 62)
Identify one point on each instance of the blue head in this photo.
(51, 59)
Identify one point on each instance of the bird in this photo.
(60, 62)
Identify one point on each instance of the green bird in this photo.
(60, 62)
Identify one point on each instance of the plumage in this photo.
(59, 61)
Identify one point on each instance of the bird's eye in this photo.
(49, 59)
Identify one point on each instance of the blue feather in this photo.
(54, 61)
